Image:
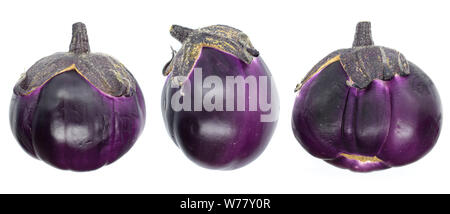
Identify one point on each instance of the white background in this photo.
(292, 36)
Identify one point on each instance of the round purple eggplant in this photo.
(367, 108)
(219, 102)
(77, 110)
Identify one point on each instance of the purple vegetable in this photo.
(77, 110)
(224, 133)
(367, 108)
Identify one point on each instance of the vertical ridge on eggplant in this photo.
(77, 110)
(389, 111)
(320, 113)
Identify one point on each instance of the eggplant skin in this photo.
(389, 123)
(220, 139)
(70, 124)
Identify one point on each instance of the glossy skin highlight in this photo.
(389, 123)
(220, 139)
(70, 124)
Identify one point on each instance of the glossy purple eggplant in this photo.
(367, 108)
(218, 135)
(77, 110)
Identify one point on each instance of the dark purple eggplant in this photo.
(367, 108)
(219, 137)
(77, 110)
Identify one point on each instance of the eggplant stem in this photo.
(180, 33)
(363, 35)
(80, 42)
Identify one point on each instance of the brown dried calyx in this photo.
(364, 62)
(221, 37)
(104, 72)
